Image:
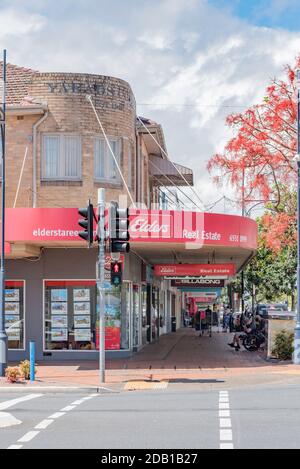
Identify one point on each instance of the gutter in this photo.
(20, 110)
(34, 163)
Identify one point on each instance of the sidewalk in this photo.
(180, 357)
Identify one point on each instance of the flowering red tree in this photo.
(259, 159)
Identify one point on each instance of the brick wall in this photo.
(70, 112)
(18, 138)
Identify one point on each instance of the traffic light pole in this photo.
(3, 336)
(100, 282)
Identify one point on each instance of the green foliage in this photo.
(25, 369)
(13, 374)
(284, 345)
(273, 274)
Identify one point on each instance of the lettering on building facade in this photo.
(120, 95)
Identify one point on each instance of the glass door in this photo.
(136, 313)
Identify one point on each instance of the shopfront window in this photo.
(125, 315)
(112, 318)
(144, 314)
(15, 314)
(155, 313)
(72, 316)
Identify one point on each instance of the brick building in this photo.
(57, 156)
(56, 159)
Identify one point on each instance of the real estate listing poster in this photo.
(81, 294)
(12, 294)
(82, 322)
(59, 308)
(82, 335)
(82, 307)
(59, 335)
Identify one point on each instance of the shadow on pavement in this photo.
(195, 381)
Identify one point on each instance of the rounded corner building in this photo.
(57, 157)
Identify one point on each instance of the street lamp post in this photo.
(297, 328)
(3, 336)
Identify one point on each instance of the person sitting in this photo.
(247, 327)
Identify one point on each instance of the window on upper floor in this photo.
(104, 164)
(61, 157)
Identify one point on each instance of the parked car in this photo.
(261, 310)
(264, 310)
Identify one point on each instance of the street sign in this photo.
(198, 282)
(212, 270)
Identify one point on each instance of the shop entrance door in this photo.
(173, 313)
(145, 339)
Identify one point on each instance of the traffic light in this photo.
(87, 222)
(119, 228)
(116, 273)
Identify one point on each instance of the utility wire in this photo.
(166, 187)
(231, 106)
(89, 98)
(165, 153)
(173, 202)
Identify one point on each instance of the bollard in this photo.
(32, 361)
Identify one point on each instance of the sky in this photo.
(190, 63)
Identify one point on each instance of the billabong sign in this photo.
(198, 282)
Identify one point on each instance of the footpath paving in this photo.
(181, 358)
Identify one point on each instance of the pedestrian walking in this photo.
(226, 319)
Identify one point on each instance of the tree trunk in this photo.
(293, 301)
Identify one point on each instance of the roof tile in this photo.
(18, 82)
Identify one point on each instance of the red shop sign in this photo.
(165, 270)
(44, 225)
(112, 338)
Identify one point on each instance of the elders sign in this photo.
(193, 270)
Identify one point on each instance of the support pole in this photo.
(3, 336)
(32, 360)
(242, 274)
(100, 283)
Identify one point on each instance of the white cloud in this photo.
(15, 23)
(156, 41)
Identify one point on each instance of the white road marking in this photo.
(226, 436)
(8, 404)
(224, 413)
(57, 415)
(225, 423)
(224, 406)
(226, 446)
(44, 424)
(68, 408)
(28, 437)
